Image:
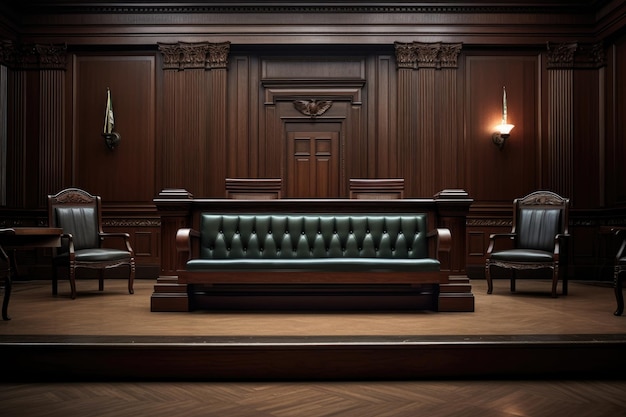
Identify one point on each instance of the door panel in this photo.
(313, 164)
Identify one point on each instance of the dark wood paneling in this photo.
(492, 174)
(531, 22)
(616, 124)
(588, 139)
(127, 173)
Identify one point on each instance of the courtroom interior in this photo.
(346, 157)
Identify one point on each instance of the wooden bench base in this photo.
(171, 296)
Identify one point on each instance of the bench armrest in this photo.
(184, 240)
(442, 244)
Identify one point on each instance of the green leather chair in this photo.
(79, 214)
(538, 239)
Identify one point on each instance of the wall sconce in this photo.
(503, 130)
(111, 138)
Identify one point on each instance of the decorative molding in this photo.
(131, 222)
(74, 197)
(200, 55)
(489, 223)
(312, 107)
(542, 199)
(218, 55)
(33, 56)
(418, 55)
(575, 55)
(237, 6)
(406, 55)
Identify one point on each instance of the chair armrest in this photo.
(561, 237)
(122, 235)
(620, 234)
(184, 239)
(494, 237)
(70, 244)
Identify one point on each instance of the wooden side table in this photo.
(18, 238)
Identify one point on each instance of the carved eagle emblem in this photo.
(312, 107)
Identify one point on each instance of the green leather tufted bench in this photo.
(313, 248)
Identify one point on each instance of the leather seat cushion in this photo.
(522, 255)
(96, 255)
(315, 264)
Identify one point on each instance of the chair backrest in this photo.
(377, 188)
(79, 213)
(538, 218)
(253, 188)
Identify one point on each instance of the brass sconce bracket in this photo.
(112, 140)
(500, 139)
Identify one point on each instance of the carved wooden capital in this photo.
(218, 55)
(419, 55)
(199, 55)
(406, 56)
(33, 56)
(575, 55)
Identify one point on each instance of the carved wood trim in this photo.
(575, 55)
(236, 6)
(418, 55)
(199, 55)
(33, 56)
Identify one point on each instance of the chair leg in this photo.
(555, 280)
(131, 278)
(488, 278)
(73, 280)
(619, 297)
(101, 279)
(55, 280)
(513, 277)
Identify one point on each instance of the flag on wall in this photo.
(109, 120)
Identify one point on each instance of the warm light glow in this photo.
(504, 128)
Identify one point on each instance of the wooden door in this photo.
(313, 162)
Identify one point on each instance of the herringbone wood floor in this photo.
(300, 399)
(586, 310)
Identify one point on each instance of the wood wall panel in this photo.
(217, 134)
(241, 129)
(52, 137)
(588, 139)
(382, 143)
(616, 124)
(16, 147)
(499, 175)
(448, 136)
(426, 157)
(190, 131)
(407, 128)
(560, 140)
(127, 173)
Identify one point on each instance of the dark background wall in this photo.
(203, 92)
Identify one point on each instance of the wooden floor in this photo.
(587, 310)
(525, 330)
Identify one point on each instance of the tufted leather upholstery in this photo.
(314, 242)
